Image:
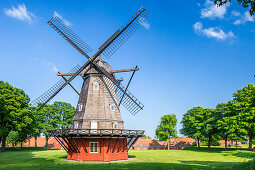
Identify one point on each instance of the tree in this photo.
(167, 128)
(12, 103)
(244, 3)
(244, 101)
(192, 124)
(56, 116)
(12, 137)
(145, 137)
(210, 130)
(227, 123)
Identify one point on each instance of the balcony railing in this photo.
(96, 132)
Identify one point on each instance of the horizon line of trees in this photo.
(19, 121)
(233, 120)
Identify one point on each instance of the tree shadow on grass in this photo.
(212, 150)
(131, 156)
(249, 155)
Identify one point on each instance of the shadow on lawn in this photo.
(213, 149)
(249, 155)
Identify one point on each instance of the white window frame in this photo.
(94, 149)
(75, 125)
(115, 124)
(112, 106)
(94, 85)
(80, 107)
(94, 129)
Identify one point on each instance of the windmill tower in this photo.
(97, 133)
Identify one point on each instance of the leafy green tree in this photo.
(167, 128)
(56, 116)
(210, 130)
(13, 101)
(145, 137)
(244, 3)
(244, 101)
(12, 137)
(192, 124)
(228, 125)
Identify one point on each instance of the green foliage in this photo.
(12, 137)
(145, 137)
(193, 122)
(244, 102)
(210, 130)
(214, 143)
(227, 123)
(245, 3)
(167, 127)
(13, 113)
(56, 116)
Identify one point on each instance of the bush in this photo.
(24, 149)
(214, 143)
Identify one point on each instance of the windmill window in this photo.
(112, 108)
(95, 86)
(75, 125)
(115, 125)
(93, 147)
(79, 107)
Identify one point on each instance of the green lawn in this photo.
(190, 158)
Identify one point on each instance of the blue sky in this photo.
(189, 53)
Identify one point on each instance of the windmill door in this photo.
(93, 126)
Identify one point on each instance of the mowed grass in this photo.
(190, 158)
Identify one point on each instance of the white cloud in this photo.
(66, 22)
(20, 13)
(198, 4)
(213, 11)
(244, 18)
(52, 65)
(235, 13)
(146, 25)
(212, 32)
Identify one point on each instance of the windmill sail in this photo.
(124, 33)
(130, 102)
(57, 24)
(48, 95)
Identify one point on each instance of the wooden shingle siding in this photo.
(96, 103)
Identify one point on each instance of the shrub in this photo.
(214, 143)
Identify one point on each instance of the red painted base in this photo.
(119, 146)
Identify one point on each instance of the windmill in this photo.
(97, 133)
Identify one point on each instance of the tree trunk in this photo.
(209, 142)
(29, 142)
(21, 144)
(250, 141)
(3, 144)
(35, 141)
(226, 143)
(198, 144)
(46, 142)
(168, 144)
